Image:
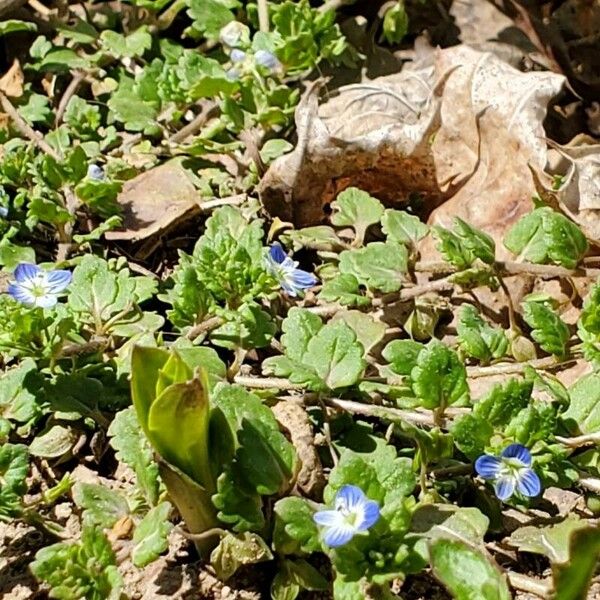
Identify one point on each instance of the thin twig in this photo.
(548, 362)
(236, 200)
(579, 440)
(195, 125)
(264, 383)
(196, 537)
(26, 130)
(78, 78)
(512, 268)
(263, 16)
(521, 582)
(392, 414)
(204, 327)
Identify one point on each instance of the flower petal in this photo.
(58, 281)
(368, 516)
(350, 497)
(338, 536)
(504, 487)
(518, 452)
(276, 253)
(487, 466)
(46, 301)
(329, 518)
(303, 279)
(528, 483)
(21, 294)
(26, 272)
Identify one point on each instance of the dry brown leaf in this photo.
(483, 116)
(11, 83)
(154, 202)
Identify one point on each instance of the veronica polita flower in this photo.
(34, 287)
(353, 514)
(286, 272)
(267, 60)
(510, 472)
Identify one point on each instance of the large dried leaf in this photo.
(154, 202)
(456, 125)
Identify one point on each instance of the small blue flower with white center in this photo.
(354, 514)
(286, 272)
(3, 212)
(267, 60)
(37, 288)
(511, 472)
(96, 173)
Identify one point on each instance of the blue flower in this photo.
(510, 472)
(354, 513)
(34, 287)
(232, 74)
(96, 173)
(267, 59)
(284, 269)
(237, 55)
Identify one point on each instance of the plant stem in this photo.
(263, 16)
(26, 130)
(548, 362)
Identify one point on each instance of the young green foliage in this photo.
(378, 266)
(321, 357)
(85, 569)
(357, 209)
(544, 236)
(462, 246)
(547, 328)
(479, 340)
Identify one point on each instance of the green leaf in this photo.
(12, 25)
(210, 16)
(101, 505)
(85, 569)
(583, 414)
(402, 355)
(544, 237)
(369, 331)
(439, 378)
(548, 329)
(572, 579)
(466, 572)
(379, 266)
(273, 149)
(478, 339)
(263, 456)
(150, 537)
(133, 111)
(319, 237)
(19, 393)
(402, 227)
(465, 244)
(395, 23)
(344, 289)
(295, 531)
(98, 292)
(235, 551)
(132, 448)
(54, 442)
(552, 541)
(321, 357)
(357, 209)
(14, 467)
(294, 576)
(131, 46)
